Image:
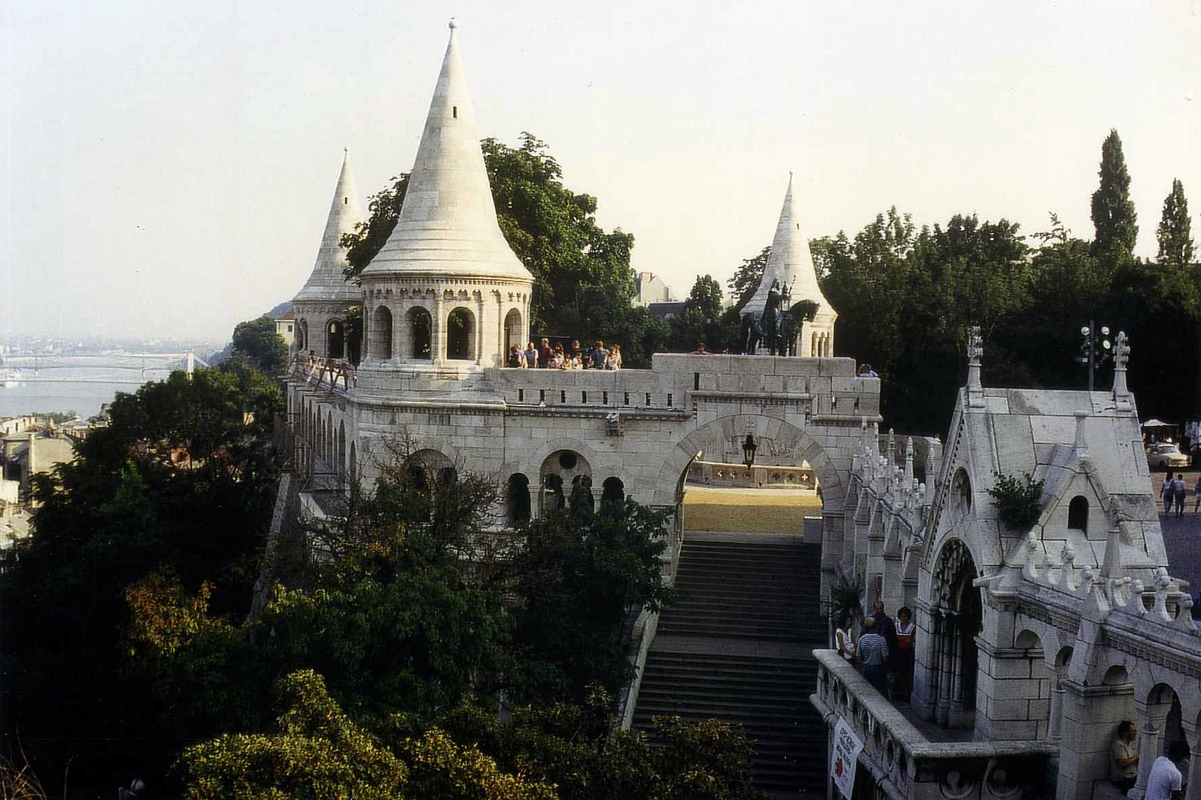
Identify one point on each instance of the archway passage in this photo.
(381, 334)
(335, 339)
(420, 334)
(514, 335)
(613, 495)
(519, 499)
(460, 335)
(955, 623)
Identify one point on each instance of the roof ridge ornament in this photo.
(1121, 357)
(975, 352)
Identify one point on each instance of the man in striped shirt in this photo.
(873, 652)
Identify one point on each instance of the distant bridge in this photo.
(101, 367)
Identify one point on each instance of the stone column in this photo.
(1193, 736)
(438, 332)
(1153, 718)
(1055, 720)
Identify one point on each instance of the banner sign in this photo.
(845, 758)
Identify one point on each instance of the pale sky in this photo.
(167, 165)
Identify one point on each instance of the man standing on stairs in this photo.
(873, 652)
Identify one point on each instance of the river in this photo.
(79, 384)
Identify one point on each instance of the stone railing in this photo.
(334, 373)
(711, 473)
(905, 764)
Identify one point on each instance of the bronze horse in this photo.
(762, 326)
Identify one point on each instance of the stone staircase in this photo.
(738, 646)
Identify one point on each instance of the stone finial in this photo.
(1121, 357)
(1030, 567)
(1136, 597)
(1081, 443)
(1111, 566)
(908, 460)
(1067, 569)
(975, 352)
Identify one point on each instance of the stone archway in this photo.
(797, 444)
(955, 621)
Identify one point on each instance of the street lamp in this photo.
(1096, 348)
(748, 450)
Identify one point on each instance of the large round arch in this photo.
(955, 618)
(460, 335)
(711, 437)
(380, 344)
(335, 339)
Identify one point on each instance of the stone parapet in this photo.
(906, 764)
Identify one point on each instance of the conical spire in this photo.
(328, 283)
(790, 263)
(448, 221)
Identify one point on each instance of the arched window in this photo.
(613, 494)
(419, 334)
(519, 499)
(460, 335)
(513, 332)
(381, 333)
(335, 340)
(1078, 513)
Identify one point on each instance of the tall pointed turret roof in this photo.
(790, 262)
(448, 220)
(328, 283)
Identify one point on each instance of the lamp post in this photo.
(1095, 348)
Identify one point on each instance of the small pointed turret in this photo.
(790, 263)
(448, 220)
(327, 283)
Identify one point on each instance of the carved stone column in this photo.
(1149, 734)
(1055, 722)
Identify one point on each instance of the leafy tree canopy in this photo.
(1175, 231)
(746, 278)
(1112, 210)
(261, 344)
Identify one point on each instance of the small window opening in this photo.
(454, 110)
(696, 380)
(345, 200)
(584, 398)
(541, 395)
(563, 396)
(648, 398)
(521, 395)
(1078, 513)
(605, 398)
(669, 399)
(627, 399)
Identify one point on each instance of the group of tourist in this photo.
(1175, 490)
(884, 650)
(548, 356)
(1168, 775)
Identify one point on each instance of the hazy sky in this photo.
(167, 165)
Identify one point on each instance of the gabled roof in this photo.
(327, 283)
(790, 262)
(448, 221)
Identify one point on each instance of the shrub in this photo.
(1018, 500)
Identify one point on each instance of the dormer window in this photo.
(1078, 513)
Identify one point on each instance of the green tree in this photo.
(580, 577)
(746, 278)
(1113, 213)
(261, 344)
(183, 477)
(702, 318)
(1174, 232)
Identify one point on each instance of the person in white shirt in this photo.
(1166, 780)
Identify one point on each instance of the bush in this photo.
(1018, 500)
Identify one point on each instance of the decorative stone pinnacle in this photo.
(454, 23)
(1121, 357)
(975, 351)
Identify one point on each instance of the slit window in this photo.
(584, 398)
(454, 110)
(605, 398)
(563, 396)
(696, 380)
(648, 398)
(669, 399)
(627, 399)
(521, 395)
(541, 395)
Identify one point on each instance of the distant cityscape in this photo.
(51, 345)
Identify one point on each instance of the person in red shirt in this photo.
(906, 630)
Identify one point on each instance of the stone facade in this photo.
(1034, 642)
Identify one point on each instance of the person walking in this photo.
(1167, 494)
(1197, 495)
(906, 633)
(1179, 491)
(873, 653)
(1166, 781)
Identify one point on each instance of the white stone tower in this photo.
(321, 304)
(446, 292)
(791, 265)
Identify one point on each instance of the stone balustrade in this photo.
(711, 473)
(905, 764)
